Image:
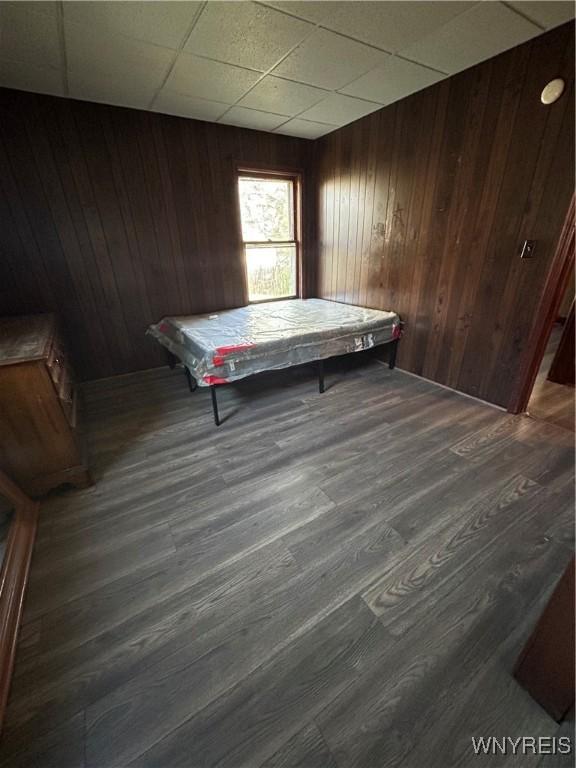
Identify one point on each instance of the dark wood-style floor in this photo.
(550, 401)
(326, 581)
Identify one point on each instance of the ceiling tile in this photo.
(337, 109)
(253, 118)
(24, 6)
(26, 77)
(313, 11)
(120, 59)
(484, 31)
(162, 23)
(305, 129)
(29, 36)
(273, 94)
(547, 14)
(394, 80)
(211, 80)
(387, 25)
(97, 87)
(329, 60)
(245, 34)
(187, 106)
(122, 53)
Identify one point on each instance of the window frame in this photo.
(274, 174)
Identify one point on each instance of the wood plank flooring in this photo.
(325, 581)
(550, 401)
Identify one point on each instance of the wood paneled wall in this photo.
(114, 217)
(423, 207)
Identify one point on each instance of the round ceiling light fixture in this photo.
(552, 91)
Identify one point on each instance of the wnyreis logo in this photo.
(522, 745)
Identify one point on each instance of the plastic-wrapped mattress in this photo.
(235, 343)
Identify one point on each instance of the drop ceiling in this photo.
(296, 68)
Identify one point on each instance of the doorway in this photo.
(545, 384)
(552, 398)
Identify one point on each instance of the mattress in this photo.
(235, 343)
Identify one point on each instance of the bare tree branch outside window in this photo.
(268, 231)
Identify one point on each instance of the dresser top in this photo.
(25, 338)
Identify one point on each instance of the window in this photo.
(268, 213)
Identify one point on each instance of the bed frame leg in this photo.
(321, 376)
(214, 404)
(171, 359)
(192, 385)
(393, 352)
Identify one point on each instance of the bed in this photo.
(226, 346)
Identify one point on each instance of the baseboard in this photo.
(450, 389)
(13, 580)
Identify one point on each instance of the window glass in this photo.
(269, 234)
(266, 207)
(271, 271)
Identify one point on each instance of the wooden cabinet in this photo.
(546, 665)
(40, 446)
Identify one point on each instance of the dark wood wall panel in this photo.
(423, 206)
(114, 217)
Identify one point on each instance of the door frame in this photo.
(548, 307)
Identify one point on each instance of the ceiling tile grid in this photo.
(196, 76)
(274, 94)
(338, 109)
(392, 80)
(389, 26)
(180, 104)
(305, 129)
(246, 34)
(329, 60)
(161, 23)
(112, 58)
(298, 68)
(546, 13)
(127, 92)
(484, 31)
(253, 118)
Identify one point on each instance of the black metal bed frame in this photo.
(193, 384)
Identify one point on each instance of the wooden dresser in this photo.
(40, 446)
